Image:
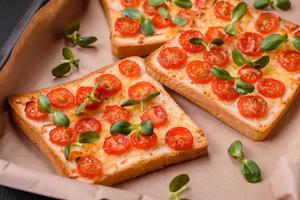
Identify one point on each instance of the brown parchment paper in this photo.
(213, 177)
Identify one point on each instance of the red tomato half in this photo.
(61, 98)
(160, 22)
(223, 10)
(33, 111)
(82, 94)
(179, 138)
(127, 26)
(249, 74)
(270, 87)
(199, 72)
(252, 107)
(224, 89)
(172, 57)
(109, 84)
(116, 144)
(157, 115)
(62, 135)
(184, 41)
(89, 166)
(216, 56)
(130, 3)
(151, 10)
(129, 68)
(116, 113)
(289, 60)
(216, 32)
(143, 142)
(249, 44)
(297, 33)
(88, 125)
(267, 23)
(140, 90)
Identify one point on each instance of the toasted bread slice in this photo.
(116, 168)
(255, 127)
(140, 44)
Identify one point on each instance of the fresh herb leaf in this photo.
(178, 182)
(242, 87)
(67, 151)
(61, 70)
(179, 21)
(129, 102)
(236, 149)
(60, 119)
(296, 42)
(251, 171)
(132, 13)
(283, 4)
(67, 53)
(86, 41)
(82, 106)
(217, 41)
(163, 13)
(44, 104)
(71, 28)
(261, 62)
(238, 58)
(261, 4)
(230, 29)
(88, 137)
(272, 41)
(220, 73)
(239, 11)
(183, 3)
(123, 127)
(155, 3)
(146, 127)
(147, 27)
(151, 96)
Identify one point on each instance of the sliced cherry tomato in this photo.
(116, 113)
(199, 72)
(143, 142)
(179, 138)
(130, 3)
(140, 90)
(184, 41)
(199, 4)
(82, 94)
(297, 33)
(249, 74)
(224, 89)
(62, 135)
(172, 57)
(89, 166)
(270, 87)
(151, 10)
(216, 32)
(116, 144)
(127, 26)
(223, 10)
(129, 68)
(109, 84)
(188, 15)
(33, 111)
(252, 107)
(61, 98)
(289, 60)
(88, 125)
(267, 23)
(249, 44)
(157, 115)
(160, 22)
(216, 56)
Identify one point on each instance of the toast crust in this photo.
(136, 169)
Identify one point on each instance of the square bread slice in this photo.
(139, 44)
(115, 168)
(254, 114)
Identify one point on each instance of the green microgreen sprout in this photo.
(65, 66)
(273, 41)
(179, 21)
(240, 60)
(179, 3)
(149, 97)
(177, 186)
(281, 4)
(199, 41)
(240, 86)
(124, 127)
(249, 168)
(238, 12)
(86, 137)
(58, 118)
(71, 33)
